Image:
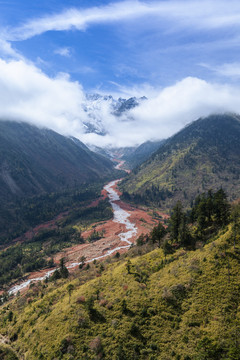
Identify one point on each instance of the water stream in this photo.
(120, 216)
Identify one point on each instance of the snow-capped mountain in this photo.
(98, 109)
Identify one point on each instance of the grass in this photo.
(142, 307)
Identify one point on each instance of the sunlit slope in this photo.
(184, 307)
(204, 155)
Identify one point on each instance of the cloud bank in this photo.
(200, 14)
(27, 94)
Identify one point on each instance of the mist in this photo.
(28, 94)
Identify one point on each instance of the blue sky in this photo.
(124, 48)
(157, 47)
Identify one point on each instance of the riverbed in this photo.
(120, 216)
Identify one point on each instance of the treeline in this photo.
(210, 212)
(32, 255)
(102, 211)
(27, 257)
(18, 260)
(154, 194)
(27, 213)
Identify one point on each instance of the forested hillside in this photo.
(204, 155)
(142, 153)
(40, 172)
(35, 161)
(168, 298)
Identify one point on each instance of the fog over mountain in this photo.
(28, 94)
(69, 65)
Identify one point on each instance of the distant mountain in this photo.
(204, 155)
(132, 155)
(97, 106)
(123, 105)
(34, 161)
(142, 153)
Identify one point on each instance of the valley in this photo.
(119, 180)
(119, 234)
(132, 264)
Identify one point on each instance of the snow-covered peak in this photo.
(99, 107)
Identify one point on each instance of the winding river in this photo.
(121, 216)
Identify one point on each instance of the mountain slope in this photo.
(142, 153)
(184, 306)
(204, 155)
(34, 161)
(39, 169)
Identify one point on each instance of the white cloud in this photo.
(164, 114)
(6, 50)
(231, 70)
(137, 90)
(64, 51)
(180, 104)
(27, 94)
(203, 14)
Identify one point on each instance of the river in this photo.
(120, 216)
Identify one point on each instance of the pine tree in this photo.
(184, 237)
(221, 208)
(63, 270)
(167, 248)
(70, 288)
(175, 220)
(158, 233)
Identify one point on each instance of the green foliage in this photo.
(207, 350)
(186, 309)
(176, 220)
(204, 155)
(211, 208)
(168, 303)
(27, 213)
(210, 212)
(70, 289)
(167, 248)
(61, 273)
(42, 175)
(7, 354)
(32, 255)
(95, 235)
(158, 233)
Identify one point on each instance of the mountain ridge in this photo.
(148, 304)
(37, 160)
(35, 163)
(203, 155)
(95, 105)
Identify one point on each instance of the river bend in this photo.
(121, 216)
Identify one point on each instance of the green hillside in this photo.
(149, 304)
(40, 173)
(34, 161)
(141, 153)
(7, 354)
(204, 155)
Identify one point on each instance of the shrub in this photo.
(81, 300)
(103, 302)
(96, 345)
(83, 322)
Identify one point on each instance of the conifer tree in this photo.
(175, 220)
(158, 233)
